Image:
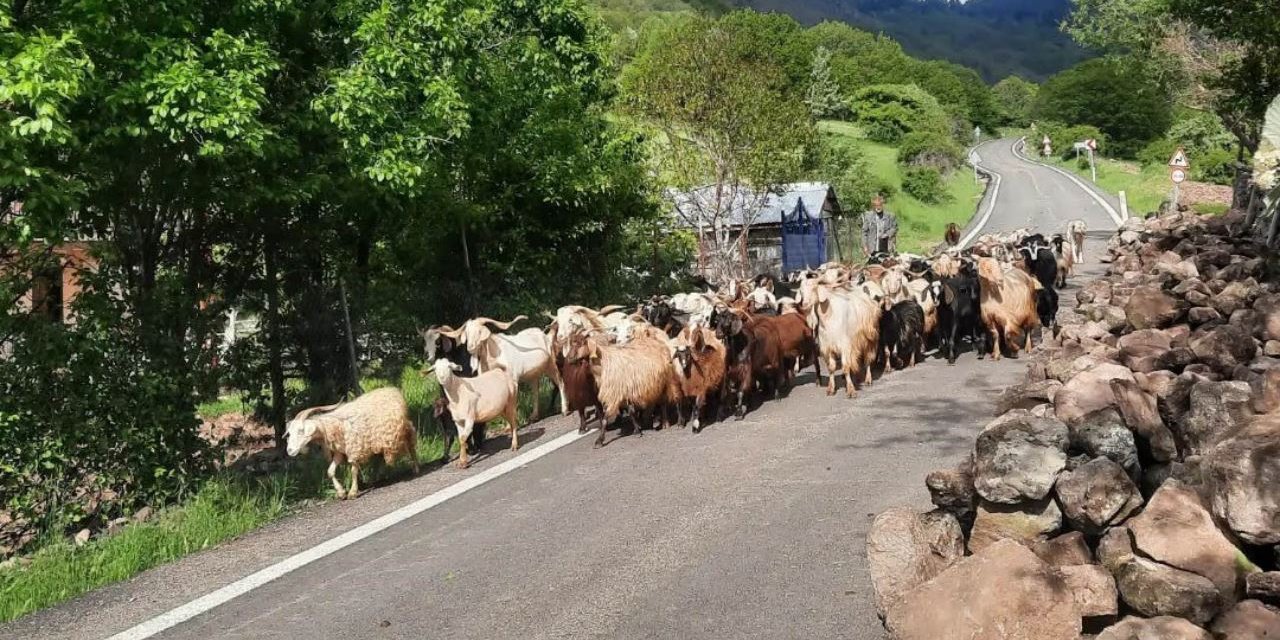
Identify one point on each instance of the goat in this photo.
(1065, 258)
(952, 237)
(1007, 304)
(444, 418)
(1043, 265)
(795, 341)
(902, 334)
(1075, 237)
(959, 313)
(762, 300)
(492, 394)
(848, 323)
(700, 367)
(527, 355)
(580, 389)
(376, 423)
(639, 375)
(438, 343)
(946, 265)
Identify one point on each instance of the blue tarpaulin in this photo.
(804, 240)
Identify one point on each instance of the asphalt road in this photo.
(752, 529)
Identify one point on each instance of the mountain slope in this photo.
(998, 38)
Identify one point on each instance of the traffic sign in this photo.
(1179, 159)
(1178, 176)
(1092, 144)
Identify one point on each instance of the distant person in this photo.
(879, 229)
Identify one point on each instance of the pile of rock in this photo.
(1131, 486)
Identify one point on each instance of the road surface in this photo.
(752, 529)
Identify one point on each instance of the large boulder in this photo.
(1097, 495)
(1141, 350)
(1216, 411)
(1268, 308)
(952, 489)
(1089, 391)
(1027, 395)
(1155, 589)
(1140, 413)
(1066, 550)
(1103, 434)
(1242, 481)
(1151, 308)
(1093, 588)
(1266, 390)
(1232, 298)
(1224, 347)
(1158, 628)
(1261, 585)
(1018, 456)
(1248, 619)
(906, 549)
(1002, 593)
(1029, 523)
(1177, 530)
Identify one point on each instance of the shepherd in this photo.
(879, 229)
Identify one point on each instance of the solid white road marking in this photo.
(244, 585)
(1106, 206)
(986, 215)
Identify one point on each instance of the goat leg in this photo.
(582, 420)
(698, 402)
(537, 403)
(333, 477)
(355, 482)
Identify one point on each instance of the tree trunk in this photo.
(353, 366)
(466, 263)
(275, 358)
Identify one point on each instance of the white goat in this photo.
(1075, 238)
(492, 394)
(376, 423)
(528, 356)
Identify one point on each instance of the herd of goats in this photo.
(706, 354)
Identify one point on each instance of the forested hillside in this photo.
(998, 38)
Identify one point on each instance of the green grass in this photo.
(1145, 187)
(920, 225)
(228, 505)
(223, 405)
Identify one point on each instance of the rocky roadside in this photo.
(1130, 487)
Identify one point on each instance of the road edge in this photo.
(1093, 192)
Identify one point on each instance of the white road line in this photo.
(986, 215)
(1106, 206)
(240, 587)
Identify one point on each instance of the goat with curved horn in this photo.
(500, 326)
(306, 413)
(451, 333)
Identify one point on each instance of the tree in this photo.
(891, 111)
(729, 133)
(1116, 96)
(1223, 56)
(1015, 100)
(823, 96)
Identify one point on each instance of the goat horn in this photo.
(306, 413)
(450, 332)
(606, 310)
(501, 326)
(913, 274)
(551, 316)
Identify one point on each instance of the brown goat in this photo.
(580, 390)
(795, 338)
(639, 375)
(952, 236)
(700, 364)
(1008, 305)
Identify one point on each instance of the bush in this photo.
(1217, 166)
(890, 112)
(924, 184)
(95, 422)
(928, 149)
(1119, 97)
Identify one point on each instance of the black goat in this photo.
(902, 334)
(1038, 255)
(437, 345)
(959, 313)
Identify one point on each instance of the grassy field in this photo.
(920, 225)
(1145, 188)
(223, 508)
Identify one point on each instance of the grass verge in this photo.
(920, 225)
(226, 506)
(1144, 187)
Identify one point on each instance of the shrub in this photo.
(1217, 166)
(928, 149)
(924, 184)
(889, 112)
(95, 422)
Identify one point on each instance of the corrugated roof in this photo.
(747, 204)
